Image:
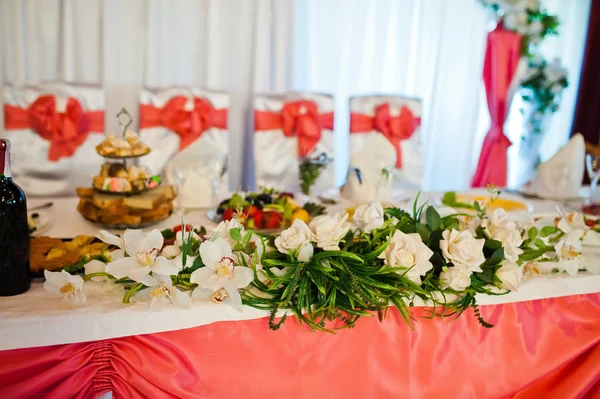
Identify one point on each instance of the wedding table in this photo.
(545, 343)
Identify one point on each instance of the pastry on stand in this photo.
(123, 194)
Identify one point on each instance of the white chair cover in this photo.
(167, 152)
(276, 156)
(31, 168)
(371, 150)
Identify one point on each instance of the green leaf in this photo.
(433, 218)
(449, 199)
(235, 234)
(493, 244)
(168, 234)
(423, 232)
(538, 242)
(496, 257)
(487, 276)
(532, 233)
(547, 230)
(247, 238)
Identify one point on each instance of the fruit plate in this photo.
(213, 216)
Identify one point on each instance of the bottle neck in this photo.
(5, 163)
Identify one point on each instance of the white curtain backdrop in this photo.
(425, 48)
(231, 45)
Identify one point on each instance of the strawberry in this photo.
(258, 219)
(272, 220)
(251, 212)
(177, 228)
(228, 214)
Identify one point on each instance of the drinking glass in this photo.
(592, 163)
(214, 169)
(178, 177)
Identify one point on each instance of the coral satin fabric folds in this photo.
(502, 56)
(548, 348)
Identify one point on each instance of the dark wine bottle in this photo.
(14, 231)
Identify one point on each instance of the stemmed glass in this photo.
(592, 163)
(178, 176)
(213, 168)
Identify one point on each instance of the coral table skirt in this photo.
(548, 348)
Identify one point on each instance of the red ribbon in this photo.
(189, 125)
(297, 118)
(394, 128)
(65, 131)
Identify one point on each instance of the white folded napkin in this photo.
(561, 176)
(363, 186)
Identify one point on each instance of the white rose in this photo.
(296, 240)
(469, 223)
(499, 227)
(463, 249)
(368, 217)
(456, 278)
(328, 230)
(523, 220)
(171, 251)
(510, 274)
(408, 251)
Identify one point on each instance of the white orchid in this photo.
(329, 230)
(221, 270)
(408, 251)
(500, 227)
(368, 217)
(143, 250)
(571, 221)
(112, 239)
(67, 285)
(179, 236)
(161, 292)
(223, 230)
(463, 249)
(569, 252)
(264, 278)
(296, 240)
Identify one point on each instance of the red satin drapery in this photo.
(501, 60)
(65, 131)
(189, 125)
(395, 129)
(547, 348)
(297, 118)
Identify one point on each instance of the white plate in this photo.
(42, 222)
(529, 192)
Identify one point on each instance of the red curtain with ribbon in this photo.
(394, 128)
(548, 348)
(501, 60)
(65, 131)
(189, 125)
(297, 118)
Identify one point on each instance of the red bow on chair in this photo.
(395, 129)
(297, 118)
(189, 125)
(65, 131)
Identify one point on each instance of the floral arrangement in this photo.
(310, 169)
(333, 271)
(542, 86)
(543, 82)
(527, 18)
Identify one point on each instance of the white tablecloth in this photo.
(35, 318)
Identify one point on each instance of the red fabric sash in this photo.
(502, 56)
(297, 118)
(394, 128)
(65, 131)
(189, 125)
(548, 348)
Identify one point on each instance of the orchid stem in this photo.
(132, 291)
(99, 274)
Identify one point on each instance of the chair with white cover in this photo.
(385, 133)
(186, 127)
(53, 129)
(289, 127)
